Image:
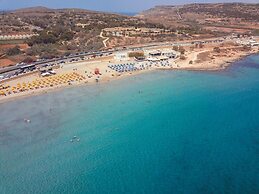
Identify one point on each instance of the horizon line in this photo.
(123, 11)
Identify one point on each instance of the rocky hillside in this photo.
(234, 15)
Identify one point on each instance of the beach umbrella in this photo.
(2, 93)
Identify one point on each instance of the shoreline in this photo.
(58, 88)
(223, 67)
(219, 67)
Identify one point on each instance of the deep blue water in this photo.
(160, 132)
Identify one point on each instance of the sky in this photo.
(104, 5)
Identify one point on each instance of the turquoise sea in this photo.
(160, 132)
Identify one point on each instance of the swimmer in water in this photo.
(27, 120)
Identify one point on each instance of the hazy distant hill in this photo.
(40, 10)
(28, 10)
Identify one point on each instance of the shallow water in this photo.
(159, 132)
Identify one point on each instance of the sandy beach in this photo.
(84, 72)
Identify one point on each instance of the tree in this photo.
(43, 38)
(71, 46)
(182, 50)
(13, 51)
(136, 54)
(256, 32)
(182, 57)
(28, 60)
(201, 45)
(216, 49)
(67, 35)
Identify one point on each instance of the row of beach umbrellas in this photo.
(42, 83)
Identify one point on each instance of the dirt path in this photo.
(105, 39)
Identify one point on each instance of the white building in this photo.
(16, 36)
(121, 56)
